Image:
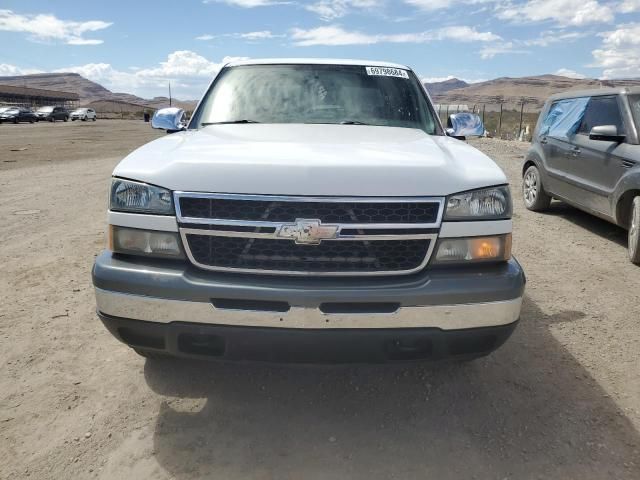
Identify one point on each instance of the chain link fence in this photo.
(505, 120)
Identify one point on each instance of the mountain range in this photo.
(87, 90)
(534, 90)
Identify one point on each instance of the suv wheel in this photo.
(533, 194)
(634, 231)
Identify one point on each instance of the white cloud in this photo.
(249, 36)
(188, 72)
(436, 79)
(332, 9)
(429, 5)
(261, 35)
(432, 5)
(619, 55)
(562, 12)
(7, 70)
(629, 6)
(550, 37)
(565, 72)
(334, 35)
(490, 51)
(247, 3)
(49, 28)
(451, 77)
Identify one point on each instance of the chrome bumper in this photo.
(445, 317)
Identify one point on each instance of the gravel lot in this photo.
(560, 400)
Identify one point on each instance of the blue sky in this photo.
(137, 47)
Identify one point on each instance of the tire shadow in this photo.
(529, 410)
(589, 222)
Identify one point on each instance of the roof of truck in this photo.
(315, 61)
(596, 92)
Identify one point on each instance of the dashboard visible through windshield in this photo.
(316, 94)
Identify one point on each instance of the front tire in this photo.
(533, 194)
(634, 231)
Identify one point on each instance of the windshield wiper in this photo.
(352, 122)
(244, 120)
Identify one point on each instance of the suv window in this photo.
(601, 111)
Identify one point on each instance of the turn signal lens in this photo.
(151, 243)
(496, 248)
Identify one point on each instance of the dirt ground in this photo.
(561, 400)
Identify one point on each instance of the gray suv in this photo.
(586, 152)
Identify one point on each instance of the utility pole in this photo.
(169, 92)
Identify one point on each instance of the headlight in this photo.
(496, 248)
(149, 243)
(486, 204)
(128, 196)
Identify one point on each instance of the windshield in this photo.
(634, 102)
(12, 110)
(331, 94)
(79, 110)
(45, 109)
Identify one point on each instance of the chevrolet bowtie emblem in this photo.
(307, 232)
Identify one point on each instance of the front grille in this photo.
(308, 235)
(325, 211)
(351, 256)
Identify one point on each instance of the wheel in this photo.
(634, 231)
(151, 354)
(15, 120)
(66, 119)
(533, 194)
(84, 119)
(94, 119)
(73, 119)
(31, 120)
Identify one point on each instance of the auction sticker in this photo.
(387, 72)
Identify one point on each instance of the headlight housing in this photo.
(137, 197)
(495, 248)
(485, 204)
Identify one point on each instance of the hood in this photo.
(295, 159)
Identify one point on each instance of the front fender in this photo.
(629, 183)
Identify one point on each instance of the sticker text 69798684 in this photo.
(387, 72)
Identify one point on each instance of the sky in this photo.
(138, 47)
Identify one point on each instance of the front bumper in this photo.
(157, 304)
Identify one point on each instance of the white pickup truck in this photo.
(310, 211)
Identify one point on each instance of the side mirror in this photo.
(606, 133)
(169, 119)
(463, 125)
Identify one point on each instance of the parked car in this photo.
(586, 152)
(17, 114)
(310, 211)
(83, 114)
(51, 114)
